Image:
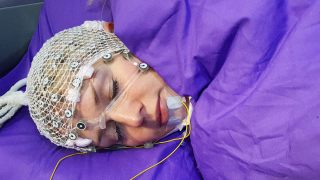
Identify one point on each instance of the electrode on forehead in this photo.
(107, 58)
(143, 67)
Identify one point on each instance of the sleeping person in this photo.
(86, 91)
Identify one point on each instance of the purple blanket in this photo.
(251, 67)
(25, 154)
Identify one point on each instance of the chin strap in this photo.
(11, 101)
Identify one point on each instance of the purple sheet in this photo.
(25, 154)
(252, 68)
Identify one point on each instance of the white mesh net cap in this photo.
(56, 75)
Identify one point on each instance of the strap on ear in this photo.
(12, 100)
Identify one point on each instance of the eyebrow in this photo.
(88, 81)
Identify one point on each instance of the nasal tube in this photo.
(175, 110)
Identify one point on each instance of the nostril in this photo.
(142, 111)
(135, 115)
(135, 121)
(130, 113)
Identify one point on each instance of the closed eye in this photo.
(115, 88)
(119, 133)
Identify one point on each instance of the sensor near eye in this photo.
(81, 125)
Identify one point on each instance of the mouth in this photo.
(162, 111)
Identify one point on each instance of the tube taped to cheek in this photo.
(176, 110)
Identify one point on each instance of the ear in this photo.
(108, 27)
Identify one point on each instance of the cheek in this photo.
(147, 85)
(139, 136)
(108, 138)
(93, 135)
(149, 89)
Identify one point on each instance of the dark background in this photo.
(18, 21)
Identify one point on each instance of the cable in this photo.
(185, 135)
(63, 158)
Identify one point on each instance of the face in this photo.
(128, 103)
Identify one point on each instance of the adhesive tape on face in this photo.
(86, 72)
(174, 106)
(73, 95)
(81, 142)
(69, 143)
(174, 102)
(173, 121)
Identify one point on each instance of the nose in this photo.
(128, 113)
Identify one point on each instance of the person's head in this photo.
(86, 90)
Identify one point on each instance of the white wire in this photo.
(9, 114)
(11, 101)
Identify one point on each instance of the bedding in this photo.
(251, 68)
(25, 154)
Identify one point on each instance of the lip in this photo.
(163, 112)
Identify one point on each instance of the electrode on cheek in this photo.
(81, 125)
